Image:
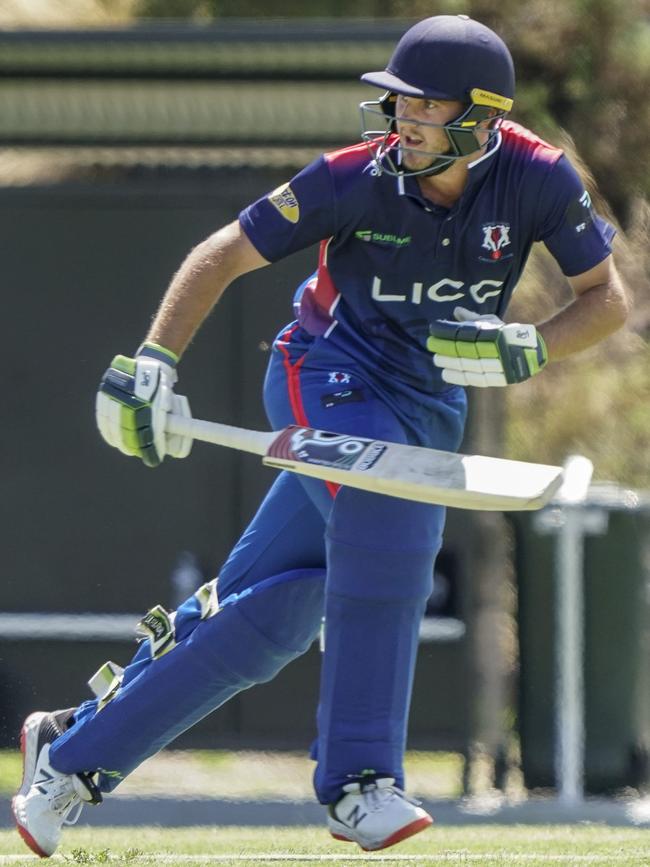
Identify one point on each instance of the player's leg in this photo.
(325, 395)
(269, 614)
(381, 554)
(269, 611)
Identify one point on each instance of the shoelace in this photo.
(72, 820)
(375, 794)
(64, 802)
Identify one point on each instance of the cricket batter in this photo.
(424, 230)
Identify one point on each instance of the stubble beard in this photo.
(424, 156)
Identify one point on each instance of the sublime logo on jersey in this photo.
(382, 238)
(496, 236)
(286, 203)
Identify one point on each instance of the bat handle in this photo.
(226, 435)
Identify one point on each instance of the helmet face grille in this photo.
(378, 130)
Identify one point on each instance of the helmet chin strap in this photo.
(437, 167)
(440, 163)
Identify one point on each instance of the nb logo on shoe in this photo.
(43, 781)
(355, 817)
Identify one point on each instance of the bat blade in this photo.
(415, 473)
(410, 472)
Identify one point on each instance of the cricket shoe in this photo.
(47, 799)
(375, 814)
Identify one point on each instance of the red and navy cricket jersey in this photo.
(391, 261)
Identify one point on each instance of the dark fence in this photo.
(280, 83)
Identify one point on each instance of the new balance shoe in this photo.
(375, 814)
(47, 799)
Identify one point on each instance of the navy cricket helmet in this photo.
(448, 57)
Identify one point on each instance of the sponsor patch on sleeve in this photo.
(580, 214)
(284, 200)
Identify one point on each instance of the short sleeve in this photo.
(296, 215)
(573, 232)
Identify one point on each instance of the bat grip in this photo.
(226, 435)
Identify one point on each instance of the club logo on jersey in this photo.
(284, 201)
(496, 236)
(337, 377)
(384, 239)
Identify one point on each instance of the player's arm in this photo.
(484, 351)
(599, 308)
(135, 394)
(199, 283)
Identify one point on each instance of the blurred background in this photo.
(129, 130)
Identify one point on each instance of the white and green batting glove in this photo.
(133, 400)
(483, 351)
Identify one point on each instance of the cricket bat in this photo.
(411, 472)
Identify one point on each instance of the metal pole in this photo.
(569, 703)
(571, 518)
(570, 729)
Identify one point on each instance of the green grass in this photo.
(247, 774)
(487, 845)
(10, 771)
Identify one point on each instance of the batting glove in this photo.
(483, 351)
(133, 400)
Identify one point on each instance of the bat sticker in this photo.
(311, 446)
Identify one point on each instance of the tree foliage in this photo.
(582, 65)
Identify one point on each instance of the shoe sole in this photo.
(402, 834)
(29, 840)
(31, 721)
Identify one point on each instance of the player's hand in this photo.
(133, 400)
(483, 351)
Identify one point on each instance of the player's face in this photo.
(418, 139)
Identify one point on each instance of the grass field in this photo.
(256, 775)
(493, 845)
(250, 774)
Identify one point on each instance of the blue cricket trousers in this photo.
(362, 561)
